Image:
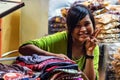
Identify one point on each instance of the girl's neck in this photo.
(78, 50)
(78, 44)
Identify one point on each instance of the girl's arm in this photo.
(30, 49)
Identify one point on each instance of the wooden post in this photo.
(0, 37)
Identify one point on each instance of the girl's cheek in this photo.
(90, 30)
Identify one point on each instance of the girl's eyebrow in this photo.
(79, 23)
(87, 21)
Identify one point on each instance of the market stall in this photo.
(107, 19)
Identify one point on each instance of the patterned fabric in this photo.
(50, 66)
(14, 72)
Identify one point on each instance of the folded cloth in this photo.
(47, 66)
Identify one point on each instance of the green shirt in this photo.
(57, 43)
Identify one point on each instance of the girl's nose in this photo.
(83, 28)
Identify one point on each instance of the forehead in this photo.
(86, 18)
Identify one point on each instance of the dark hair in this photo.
(76, 13)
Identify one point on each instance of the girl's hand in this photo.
(61, 56)
(64, 57)
(91, 42)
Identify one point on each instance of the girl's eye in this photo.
(87, 23)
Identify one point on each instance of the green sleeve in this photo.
(56, 43)
(96, 61)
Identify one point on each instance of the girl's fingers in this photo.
(97, 31)
(94, 40)
(92, 43)
(91, 48)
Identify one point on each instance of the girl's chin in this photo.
(82, 39)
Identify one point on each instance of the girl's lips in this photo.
(83, 35)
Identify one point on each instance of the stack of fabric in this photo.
(15, 72)
(110, 27)
(51, 68)
(37, 67)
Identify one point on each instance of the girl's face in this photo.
(83, 30)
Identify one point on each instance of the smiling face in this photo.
(83, 30)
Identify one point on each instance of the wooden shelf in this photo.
(7, 7)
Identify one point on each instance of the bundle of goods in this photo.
(64, 12)
(110, 27)
(95, 5)
(114, 9)
(113, 63)
(57, 24)
(38, 67)
(116, 64)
